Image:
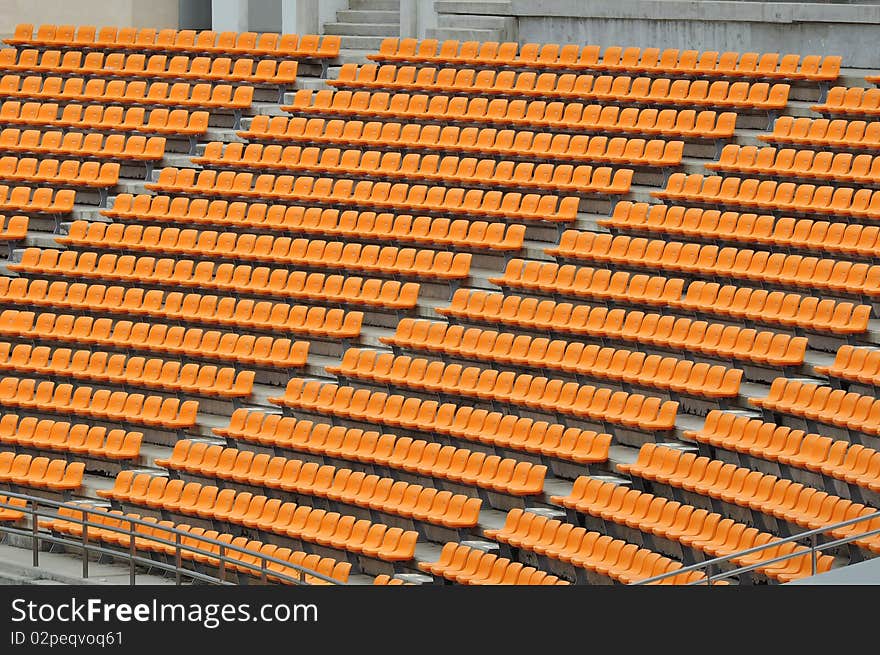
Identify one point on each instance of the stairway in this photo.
(363, 26)
(474, 21)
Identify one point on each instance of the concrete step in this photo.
(462, 34)
(458, 21)
(369, 43)
(487, 7)
(374, 5)
(350, 56)
(363, 29)
(368, 16)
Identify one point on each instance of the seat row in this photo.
(790, 310)
(822, 132)
(850, 101)
(567, 86)
(763, 266)
(400, 196)
(299, 522)
(270, 44)
(554, 56)
(348, 224)
(242, 278)
(13, 228)
(594, 361)
(497, 429)
(603, 405)
(450, 169)
(75, 438)
(792, 163)
(591, 283)
(196, 343)
(854, 364)
(318, 322)
(848, 410)
(119, 369)
(40, 472)
(668, 332)
(487, 142)
(783, 499)
(339, 485)
(849, 239)
(67, 172)
(181, 67)
(612, 558)
(8, 511)
(839, 459)
(462, 564)
(93, 145)
(707, 532)
(172, 123)
(36, 201)
(528, 114)
(100, 404)
(387, 260)
(773, 196)
(79, 89)
(193, 546)
(535, 392)
(402, 453)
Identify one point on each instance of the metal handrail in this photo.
(35, 511)
(812, 549)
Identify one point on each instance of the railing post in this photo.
(35, 544)
(85, 542)
(813, 558)
(709, 575)
(263, 564)
(177, 562)
(222, 563)
(131, 551)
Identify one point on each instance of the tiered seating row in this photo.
(318, 322)
(850, 239)
(264, 351)
(839, 459)
(582, 360)
(270, 44)
(298, 522)
(708, 532)
(341, 485)
(715, 262)
(488, 142)
(554, 56)
(603, 405)
(535, 114)
(356, 163)
(458, 464)
(95, 117)
(713, 339)
(118, 369)
(781, 498)
(74, 438)
(40, 472)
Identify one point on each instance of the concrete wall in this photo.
(850, 30)
(154, 13)
(264, 15)
(194, 14)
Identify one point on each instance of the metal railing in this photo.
(711, 568)
(42, 508)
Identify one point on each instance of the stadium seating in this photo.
(553, 56)
(429, 316)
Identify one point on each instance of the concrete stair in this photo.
(474, 21)
(364, 24)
